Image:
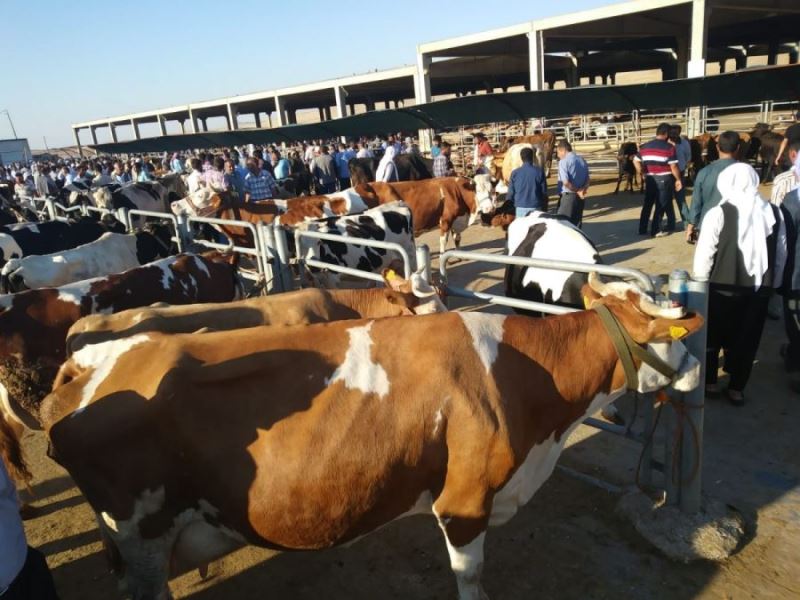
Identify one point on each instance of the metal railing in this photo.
(257, 252)
(303, 261)
(126, 216)
(686, 491)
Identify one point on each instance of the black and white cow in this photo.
(391, 222)
(52, 236)
(110, 253)
(146, 195)
(541, 235)
(546, 236)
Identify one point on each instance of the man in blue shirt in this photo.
(280, 165)
(573, 177)
(527, 186)
(342, 167)
(683, 151)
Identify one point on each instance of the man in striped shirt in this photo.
(788, 180)
(658, 161)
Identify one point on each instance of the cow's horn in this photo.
(648, 307)
(596, 283)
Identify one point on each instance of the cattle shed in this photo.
(667, 39)
(740, 87)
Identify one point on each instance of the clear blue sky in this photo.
(73, 61)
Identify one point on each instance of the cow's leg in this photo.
(444, 236)
(466, 559)
(457, 239)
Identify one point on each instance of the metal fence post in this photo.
(282, 248)
(266, 239)
(692, 440)
(184, 231)
(424, 261)
(50, 204)
(646, 470)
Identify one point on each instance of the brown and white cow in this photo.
(208, 203)
(546, 140)
(437, 203)
(34, 323)
(301, 307)
(307, 437)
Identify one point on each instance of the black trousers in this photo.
(571, 206)
(735, 324)
(791, 320)
(344, 183)
(34, 582)
(657, 194)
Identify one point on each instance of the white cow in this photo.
(110, 253)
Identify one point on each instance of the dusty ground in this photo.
(567, 543)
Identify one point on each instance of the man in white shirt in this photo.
(23, 571)
(195, 180)
(788, 180)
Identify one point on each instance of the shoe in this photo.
(736, 397)
(662, 234)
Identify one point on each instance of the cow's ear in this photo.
(589, 296)
(395, 282)
(668, 330)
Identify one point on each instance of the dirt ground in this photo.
(566, 543)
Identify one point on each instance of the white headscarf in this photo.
(386, 166)
(738, 185)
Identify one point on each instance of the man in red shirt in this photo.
(483, 153)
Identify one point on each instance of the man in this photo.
(101, 177)
(118, 175)
(706, 194)
(792, 134)
(196, 179)
(790, 207)
(659, 162)
(573, 175)
(364, 151)
(280, 166)
(684, 153)
(82, 174)
(527, 186)
(483, 154)
(442, 165)
(233, 179)
(788, 180)
(323, 168)
(24, 574)
(176, 164)
(342, 167)
(41, 178)
(436, 148)
(258, 183)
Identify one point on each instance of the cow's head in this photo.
(658, 328)
(203, 202)
(76, 194)
(486, 202)
(415, 296)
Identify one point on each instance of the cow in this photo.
(145, 195)
(303, 438)
(626, 168)
(546, 140)
(704, 151)
(503, 164)
(550, 237)
(764, 144)
(208, 203)
(390, 222)
(437, 202)
(110, 253)
(302, 307)
(34, 323)
(410, 167)
(52, 236)
(174, 185)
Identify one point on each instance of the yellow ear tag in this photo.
(586, 302)
(677, 333)
(390, 274)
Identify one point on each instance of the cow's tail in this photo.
(11, 453)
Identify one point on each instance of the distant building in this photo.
(15, 151)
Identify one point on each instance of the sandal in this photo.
(736, 397)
